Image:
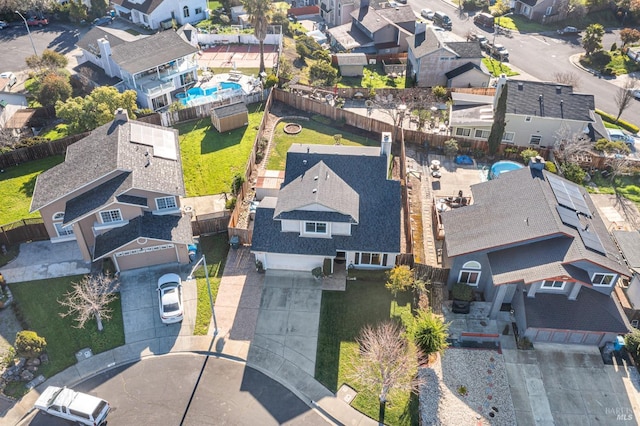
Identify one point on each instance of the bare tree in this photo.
(387, 363)
(624, 96)
(571, 147)
(569, 78)
(618, 165)
(90, 298)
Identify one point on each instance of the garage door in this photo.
(146, 256)
(292, 262)
(562, 336)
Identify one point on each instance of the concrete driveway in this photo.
(570, 385)
(140, 306)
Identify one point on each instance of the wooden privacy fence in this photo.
(213, 223)
(37, 152)
(22, 231)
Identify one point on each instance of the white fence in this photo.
(211, 39)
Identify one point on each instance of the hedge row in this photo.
(612, 119)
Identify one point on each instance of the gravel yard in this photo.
(482, 373)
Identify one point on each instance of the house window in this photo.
(604, 280)
(549, 10)
(508, 137)
(185, 11)
(145, 18)
(58, 216)
(371, 259)
(166, 203)
(110, 216)
(159, 102)
(63, 230)
(555, 285)
(535, 139)
(527, 118)
(186, 79)
(470, 273)
(198, 10)
(461, 131)
(315, 227)
(482, 134)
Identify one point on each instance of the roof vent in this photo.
(558, 89)
(315, 177)
(304, 162)
(520, 86)
(314, 190)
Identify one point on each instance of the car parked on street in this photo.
(635, 93)
(618, 135)
(427, 14)
(34, 21)
(170, 298)
(480, 38)
(105, 20)
(499, 52)
(568, 30)
(3, 25)
(73, 406)
(484, 19)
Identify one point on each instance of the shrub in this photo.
(612, 119)
(271, 81)
(550, 166)
(632, 343)
(573, 172)
(317, 272)
(28, 344)
(450, 147)
(236, 184)
(439, 92)
(462, 291)
(528, 154)
(429, 332)
(399, 278)
(230, 204)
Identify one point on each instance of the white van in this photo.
(9, 76)
(74, 406)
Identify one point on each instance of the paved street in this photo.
(184, 390)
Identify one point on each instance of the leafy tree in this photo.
(611, 147)
(77, 11)
(592, 38)
(429, 332)
(303, 50)
(48, 61)
(451, 147)
(528, 154)
(321, 55)
(28, 344)
(90, 298)
(499, 124)
(52, 89)
(280, 18)
(573, 172)
(386, 362)
(439, 92)
(323, 73)
(632, 343)
(99, 7)
(500, 7)
(400, 278)
(95, 109)
(462, 291)
(259, 12)
(629, 36)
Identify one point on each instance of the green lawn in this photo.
(58, 132)
(496, 67)
(36, 302)
(342, 316)
(313, 132)
(215, 248)
(616, 61)
(210, 160)
(627, 186)
(374, 77)
(16, 187)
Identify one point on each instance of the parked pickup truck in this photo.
(74, 406)
(499, 52)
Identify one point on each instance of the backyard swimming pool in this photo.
(198, 95)
(503, 167)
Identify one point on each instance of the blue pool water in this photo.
(195, 93)
(503, 167)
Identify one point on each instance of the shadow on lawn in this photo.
(28, 185)
(215, 141)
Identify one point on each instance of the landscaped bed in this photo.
(215, 249)
(342, 317)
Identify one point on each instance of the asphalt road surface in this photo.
(183, 389)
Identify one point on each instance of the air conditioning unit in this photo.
(372, 61)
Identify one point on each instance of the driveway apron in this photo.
(286, 336)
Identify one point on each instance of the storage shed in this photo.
(229, 117)
(351, 64)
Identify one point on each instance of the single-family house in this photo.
(14, 114)
(153, 66)
(337, 203)
(441, 58)
(537, 114)
(383, 30)
(337, 12)
(534, 243)
(117, 194)
(157, 14)
(543, 11)
(629, 290)
(351, 64)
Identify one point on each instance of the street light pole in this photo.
(206, 274)
(28, 32)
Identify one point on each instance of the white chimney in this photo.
(121, 114)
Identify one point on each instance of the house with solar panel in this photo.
(117, 195)
(337, 206)
(533, 243)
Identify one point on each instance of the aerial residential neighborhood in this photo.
(409, 212)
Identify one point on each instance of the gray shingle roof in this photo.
(424, 43)
(89, 41)
(351, 59)
(466, 49)
(374, 20)
(132, 199)
(319, 185)
(149, 52)
(519, 208)
(106, 150)
(629, 243)
(558, 100)
(169, 228)
(93, 199)
(146, 6)
(229, 110)
(591, 311)
(378, 229)
(461, 70)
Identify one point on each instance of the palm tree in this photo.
(259, 12)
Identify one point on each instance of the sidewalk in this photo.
(237, 308)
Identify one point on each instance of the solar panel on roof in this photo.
(577, 198)
(161, 140)
(568, 195)
(591, 240)
(568, 217)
